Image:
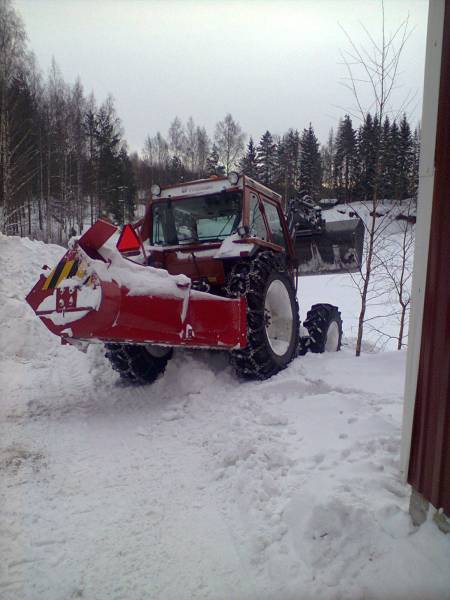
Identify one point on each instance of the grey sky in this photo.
(272, 64)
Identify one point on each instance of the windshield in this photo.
(201, 219)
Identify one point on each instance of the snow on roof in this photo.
(197, 188)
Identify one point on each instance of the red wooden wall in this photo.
(429, 467)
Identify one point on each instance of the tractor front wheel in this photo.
(272, 316)
(138, 364)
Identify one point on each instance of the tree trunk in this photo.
(368, 272)
(79, 196)
(41, 181)
(47, 201)
(402, 327)
(369, 258)
(5, 157)
(29, 212)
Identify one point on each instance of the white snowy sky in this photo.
(272, 64)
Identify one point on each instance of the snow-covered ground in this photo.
(200, 486)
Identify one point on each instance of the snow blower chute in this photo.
(211, 265)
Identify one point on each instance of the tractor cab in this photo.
(231, 217)
(198, 229)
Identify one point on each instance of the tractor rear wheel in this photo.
(138, 364)
(272, 316)
(324, 325)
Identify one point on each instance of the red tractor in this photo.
(213, 264)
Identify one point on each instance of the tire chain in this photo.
(129, 361)
(119, 359)
(242, 272)
(243, 278)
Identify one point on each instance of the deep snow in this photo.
(200, 486)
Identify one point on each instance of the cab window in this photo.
(276, 228)
(256, 221)
(209, 218)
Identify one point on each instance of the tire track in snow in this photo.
(200, 486)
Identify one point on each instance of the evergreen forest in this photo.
(64, 159)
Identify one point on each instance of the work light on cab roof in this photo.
(155, 189)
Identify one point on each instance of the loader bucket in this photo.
(94, 294)
(336, 248)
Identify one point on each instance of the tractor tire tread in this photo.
(134, 363)
(318, 319)
(256, 361)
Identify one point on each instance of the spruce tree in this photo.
(414, 183)
(368, 154)
(345, 160)
(212, 163)
(405, 159)
(387, 161)
(249, 164)
(108, 147)
(310, 163)
(176, 171)
(288, 161)
(394, 151)
(266, 159)
(328, 157)
(121, 197)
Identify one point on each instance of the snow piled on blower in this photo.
(140, 280)
(200, 486)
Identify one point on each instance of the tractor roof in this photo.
(199, 187)
(213, 185)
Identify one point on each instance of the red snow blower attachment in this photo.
(95, 294)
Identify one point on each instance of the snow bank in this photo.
(25, 343)
(22, 335)
(200, 486)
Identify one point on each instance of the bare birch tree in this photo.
(177, 138)
(229, 139)
(203, 148)
(375, 66)
(396, 260)
(14, 131)
(190, 145)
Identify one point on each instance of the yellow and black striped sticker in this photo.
(63, 270)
